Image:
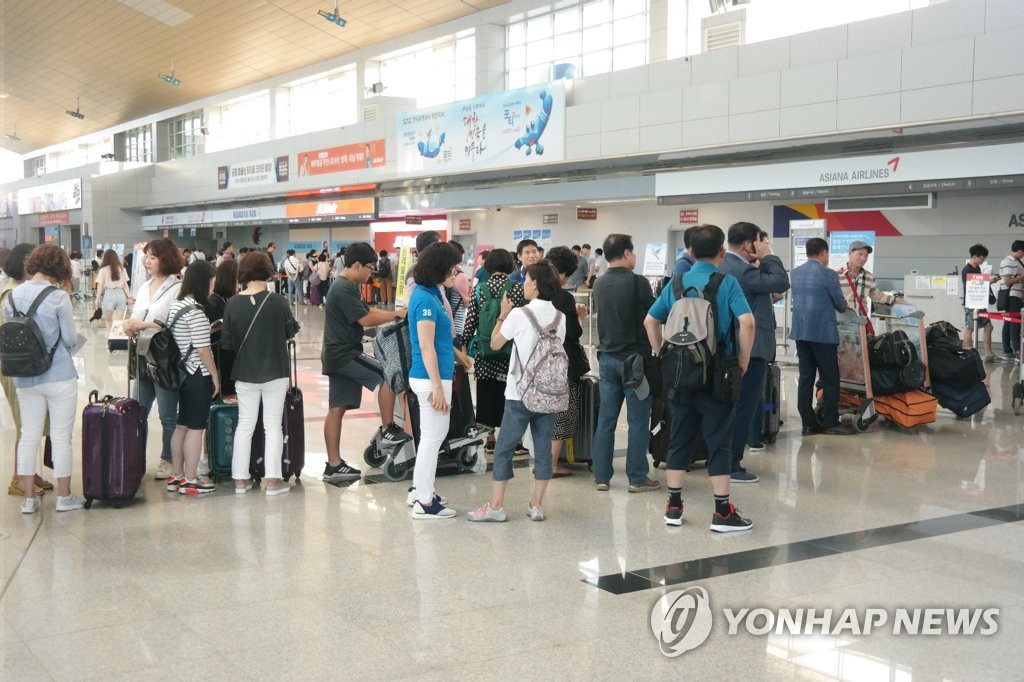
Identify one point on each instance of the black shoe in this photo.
(810, 430)
(731, 522)
(673, 515)
(839, 430)
(340, 472)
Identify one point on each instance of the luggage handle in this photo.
(294, 377)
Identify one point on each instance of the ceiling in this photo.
(110, 53)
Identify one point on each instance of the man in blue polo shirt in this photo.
(699, 410)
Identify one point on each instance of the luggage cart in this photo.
(855, 394)
(1017, 396)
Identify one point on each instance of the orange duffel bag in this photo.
(907, 409)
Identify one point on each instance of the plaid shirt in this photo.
(866, 289)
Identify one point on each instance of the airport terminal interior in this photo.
(890, 553)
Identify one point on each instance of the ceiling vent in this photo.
(724, 30)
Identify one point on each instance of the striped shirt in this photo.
(55, 317)
(191, 331)
(866, 289)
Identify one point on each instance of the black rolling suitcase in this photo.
(772, 419)
(580, 447)
(293, 455)
(963, 401)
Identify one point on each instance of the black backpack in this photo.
(384, 268)
(23, 351)
(892, 349)
(165, 365)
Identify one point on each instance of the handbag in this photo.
(652, 363)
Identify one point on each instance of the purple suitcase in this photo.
(294, 454)
(113, 449)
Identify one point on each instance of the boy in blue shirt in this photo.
(699, 410)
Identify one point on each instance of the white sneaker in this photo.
(163, 471)
(69, 503)
(30, 505)
(281, 489)
(436, 510)
(204, 466)
(410, 499)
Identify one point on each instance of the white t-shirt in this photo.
(520, 331)
(600, 266)
(103, 277)
(76, 268)
(155, 308)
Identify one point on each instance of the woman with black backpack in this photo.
(53, 391)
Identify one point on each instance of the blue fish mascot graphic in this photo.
(428, 151)
(535, 127)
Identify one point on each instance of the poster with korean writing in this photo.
(516, 128)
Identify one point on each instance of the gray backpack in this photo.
(688, 353)
(543, 382)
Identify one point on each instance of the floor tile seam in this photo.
(133, 621)
(831, 551)
(41, 663)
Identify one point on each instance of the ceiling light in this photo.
(169, 78)
(77, 113)
(4, 95)
(333, 17)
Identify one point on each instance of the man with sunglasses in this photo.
(348, 369)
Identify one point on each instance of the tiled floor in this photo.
(338, 583)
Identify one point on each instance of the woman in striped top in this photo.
(191, 331)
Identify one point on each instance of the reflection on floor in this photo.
(337, 581)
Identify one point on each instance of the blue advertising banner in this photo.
(516, 128)
(839, 247)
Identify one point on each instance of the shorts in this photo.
(194, 399)
(969, 320)
(346, 384)
(114, 300)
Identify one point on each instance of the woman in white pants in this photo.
(433, 366)
(257, 326)
(55, 391)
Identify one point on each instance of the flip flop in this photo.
(562, 474)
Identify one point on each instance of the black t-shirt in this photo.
(622, 300)
(264, 355)
(565, 303)
(343, 335)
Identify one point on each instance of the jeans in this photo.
(749, 407)
(167, 408)
(433, 431)
(821, 359)
(715, 422)
(58, 399)
(271, 395)
(294, 291)
(638, 418)
(1011, 331)
(513, 426)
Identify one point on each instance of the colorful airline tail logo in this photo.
(535, 127)
(256, 233)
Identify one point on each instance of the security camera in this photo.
(499, 208)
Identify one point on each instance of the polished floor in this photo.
(339, 583)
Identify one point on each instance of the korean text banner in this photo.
(516, 128)
(345, 158)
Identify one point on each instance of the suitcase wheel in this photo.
(397, 471)
(118, 503)
(88, 503)
(373, 457)
(466, 458)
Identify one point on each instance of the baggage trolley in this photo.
(1017, 396)
(910, 320)
(855, 394)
